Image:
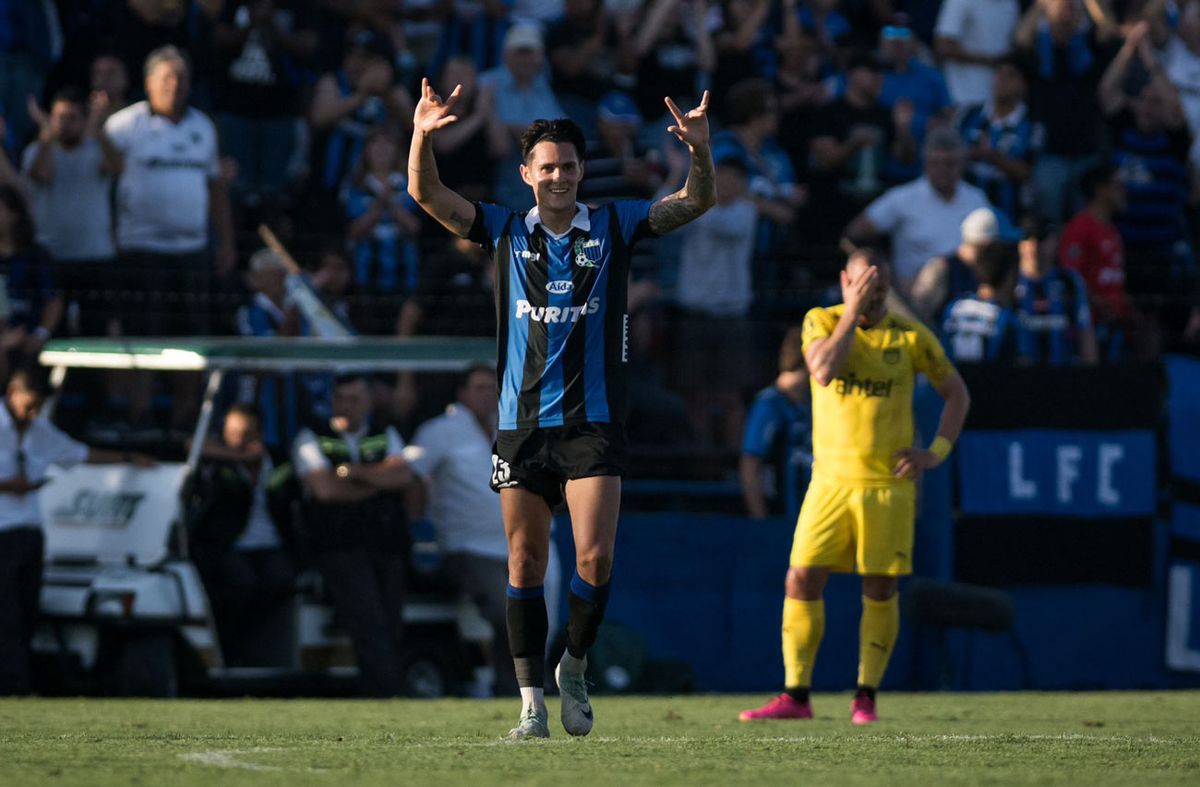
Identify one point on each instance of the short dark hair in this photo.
(71, 95)
(31, 378)
(791, 350)
(1018, 62)
(1095, 177)
(558, 130)
(864, 58)
(747, 100)
(995, 262)
(479, 367)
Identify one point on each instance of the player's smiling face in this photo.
(553, 171)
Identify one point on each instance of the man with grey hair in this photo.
(922, 217)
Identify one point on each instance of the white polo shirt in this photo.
(41, 445)
(921, 224)
(453, 454)
(162, 196)
(982, 27)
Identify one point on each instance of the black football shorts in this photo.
(542, 460)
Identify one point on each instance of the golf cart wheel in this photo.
(425, 676)
(146, 667)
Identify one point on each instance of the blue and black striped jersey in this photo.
(561, 306)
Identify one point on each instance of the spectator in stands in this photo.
(923, 217)
(981, 327)
(457, 296)
(1181, 59)
(776, 460)
(907, 78)
(469, 150)
(240, 539)
(617, 163)
(474, 29)
(672, 49)
(109, 77)
(1003, 141)
(452, 454)
(29, 444)
(854, 139)
(333, 279)
(351, 101)
(261, 45)
(1068, 52)
(276, 397)
(584, 46)
(27, 51)
(752, 114)
(827, 24)
(1054, 321)
(715, 291)
(1150, 147)
(32, 308)
(71, 169)
(384, 221)
(971, 37)
(744, 45)
(357, 485)
(523, 94)
(800, 90)
(947, 277)
(1091, 246)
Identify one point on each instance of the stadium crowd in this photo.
(145, 140)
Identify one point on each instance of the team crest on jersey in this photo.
(588, 253)
(892, 355)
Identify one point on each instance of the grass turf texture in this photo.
(1117, 738)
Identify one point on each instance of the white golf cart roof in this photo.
(351, 354)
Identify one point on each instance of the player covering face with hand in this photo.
(859, 509)
(562, 272)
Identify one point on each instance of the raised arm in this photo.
(826, 358)
(699, 192)
(424, 184)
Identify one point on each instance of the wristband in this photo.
(940, 447)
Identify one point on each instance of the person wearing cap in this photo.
(922, 217)
(855, 138)
(522, 94)
(348, 102)
(562, 293)
(359, 496)
(946, 277)
(1003, 141)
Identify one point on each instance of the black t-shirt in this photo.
(838, 120)
(669, 69)
(1062, 94)
(259, 80)
(595, 80)
(455, 297)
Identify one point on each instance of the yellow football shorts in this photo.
(866, 530)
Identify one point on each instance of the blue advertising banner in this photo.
(1057, 472)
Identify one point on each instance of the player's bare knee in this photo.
(594, 565)
(526, 569)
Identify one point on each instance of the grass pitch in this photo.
(1118, 738)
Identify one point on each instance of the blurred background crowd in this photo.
(1029, 166)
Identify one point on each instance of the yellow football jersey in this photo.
(865, 414)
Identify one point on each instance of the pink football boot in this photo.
(782, 707)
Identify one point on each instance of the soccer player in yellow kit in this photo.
(859, 510)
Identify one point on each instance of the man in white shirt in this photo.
(971, 36)
(359, 492)
(169, 191)
(70, 168)
(922, 217)
(29, 445)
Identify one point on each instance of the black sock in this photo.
(799, 695)
(865, 691)
(586, 603)
(527, 629)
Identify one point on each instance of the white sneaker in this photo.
(533, 724)
(576, 710)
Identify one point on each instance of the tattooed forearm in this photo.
(698, 194)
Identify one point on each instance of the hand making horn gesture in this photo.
(692, 128)
(432, 112)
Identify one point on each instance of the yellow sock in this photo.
(803, 627)
(877, 635)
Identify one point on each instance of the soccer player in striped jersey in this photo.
(562, 336)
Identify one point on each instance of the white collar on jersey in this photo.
(580, 220)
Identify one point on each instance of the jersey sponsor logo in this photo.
(588, 253)
(863, 386)
(556, 313)
(560, 286)
(532, 256)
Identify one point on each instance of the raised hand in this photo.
(692, 128)
(856, 292)
(432, 113)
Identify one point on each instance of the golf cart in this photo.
(124, 611)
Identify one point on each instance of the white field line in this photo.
(225, 758)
